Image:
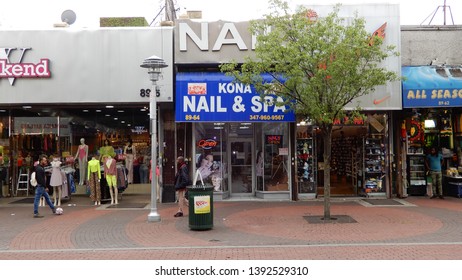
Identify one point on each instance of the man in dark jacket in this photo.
(181, 182)
(41, 189)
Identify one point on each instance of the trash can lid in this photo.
(200, 187)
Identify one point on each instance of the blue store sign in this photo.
(213, 97)
(432, 86)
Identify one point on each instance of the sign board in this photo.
(201, 204)
(83, 65)
(273, 139)
(223, 41)
(42, 125)
(283, 151)
(381, 19)
(213, 97)
(432, 86)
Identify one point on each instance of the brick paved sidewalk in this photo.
(414, 228)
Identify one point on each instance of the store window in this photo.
(306, 159)
(242, 158)
(4, 155)
(275, 147)
(210, 158)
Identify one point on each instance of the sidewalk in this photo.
(411, 228)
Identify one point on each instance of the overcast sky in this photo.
(42, 14)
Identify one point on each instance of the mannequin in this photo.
(110, 172)
(143, 160)
(129, 152)
(106, 150)
(28, 161)
(94, 177)
(82, 157)
(260, 170)
(56, 181)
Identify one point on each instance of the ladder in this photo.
(23, 183)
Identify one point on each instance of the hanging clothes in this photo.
(70, 181)
(65, 187)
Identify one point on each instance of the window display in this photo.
(374, 164)
(305, 166)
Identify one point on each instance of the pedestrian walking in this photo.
(41, 189)
(181, 182)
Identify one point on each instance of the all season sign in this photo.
(207, 97)
(432, 86)
(19, 69)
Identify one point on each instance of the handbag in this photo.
(197, 176)
(33, 181)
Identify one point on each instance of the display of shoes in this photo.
(178, 214)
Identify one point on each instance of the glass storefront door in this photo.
(241, 167)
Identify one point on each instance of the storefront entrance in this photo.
(241, 167)
(243, 160)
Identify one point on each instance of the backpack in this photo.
(33, 181)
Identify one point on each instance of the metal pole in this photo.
(154, 64)
(153, 215)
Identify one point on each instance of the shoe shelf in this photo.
(374, 163)
(305, 166)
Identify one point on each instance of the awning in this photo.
(213, 97)
(432, 86)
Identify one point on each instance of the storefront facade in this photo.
(240, 145)
(290, 147)
(362, 149)
(432, 95)
(58, 86)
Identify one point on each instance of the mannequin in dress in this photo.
(56, 180)
(129, 152)
(94, 177)
(110, 172)
(82, 157)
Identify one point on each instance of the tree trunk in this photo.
(327, 135)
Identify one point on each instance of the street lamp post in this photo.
(154, 64)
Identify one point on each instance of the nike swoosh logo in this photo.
(378, 101)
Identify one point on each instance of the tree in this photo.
(324, 64)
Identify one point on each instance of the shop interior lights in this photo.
(429, 124)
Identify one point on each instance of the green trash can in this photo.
(200, 207)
